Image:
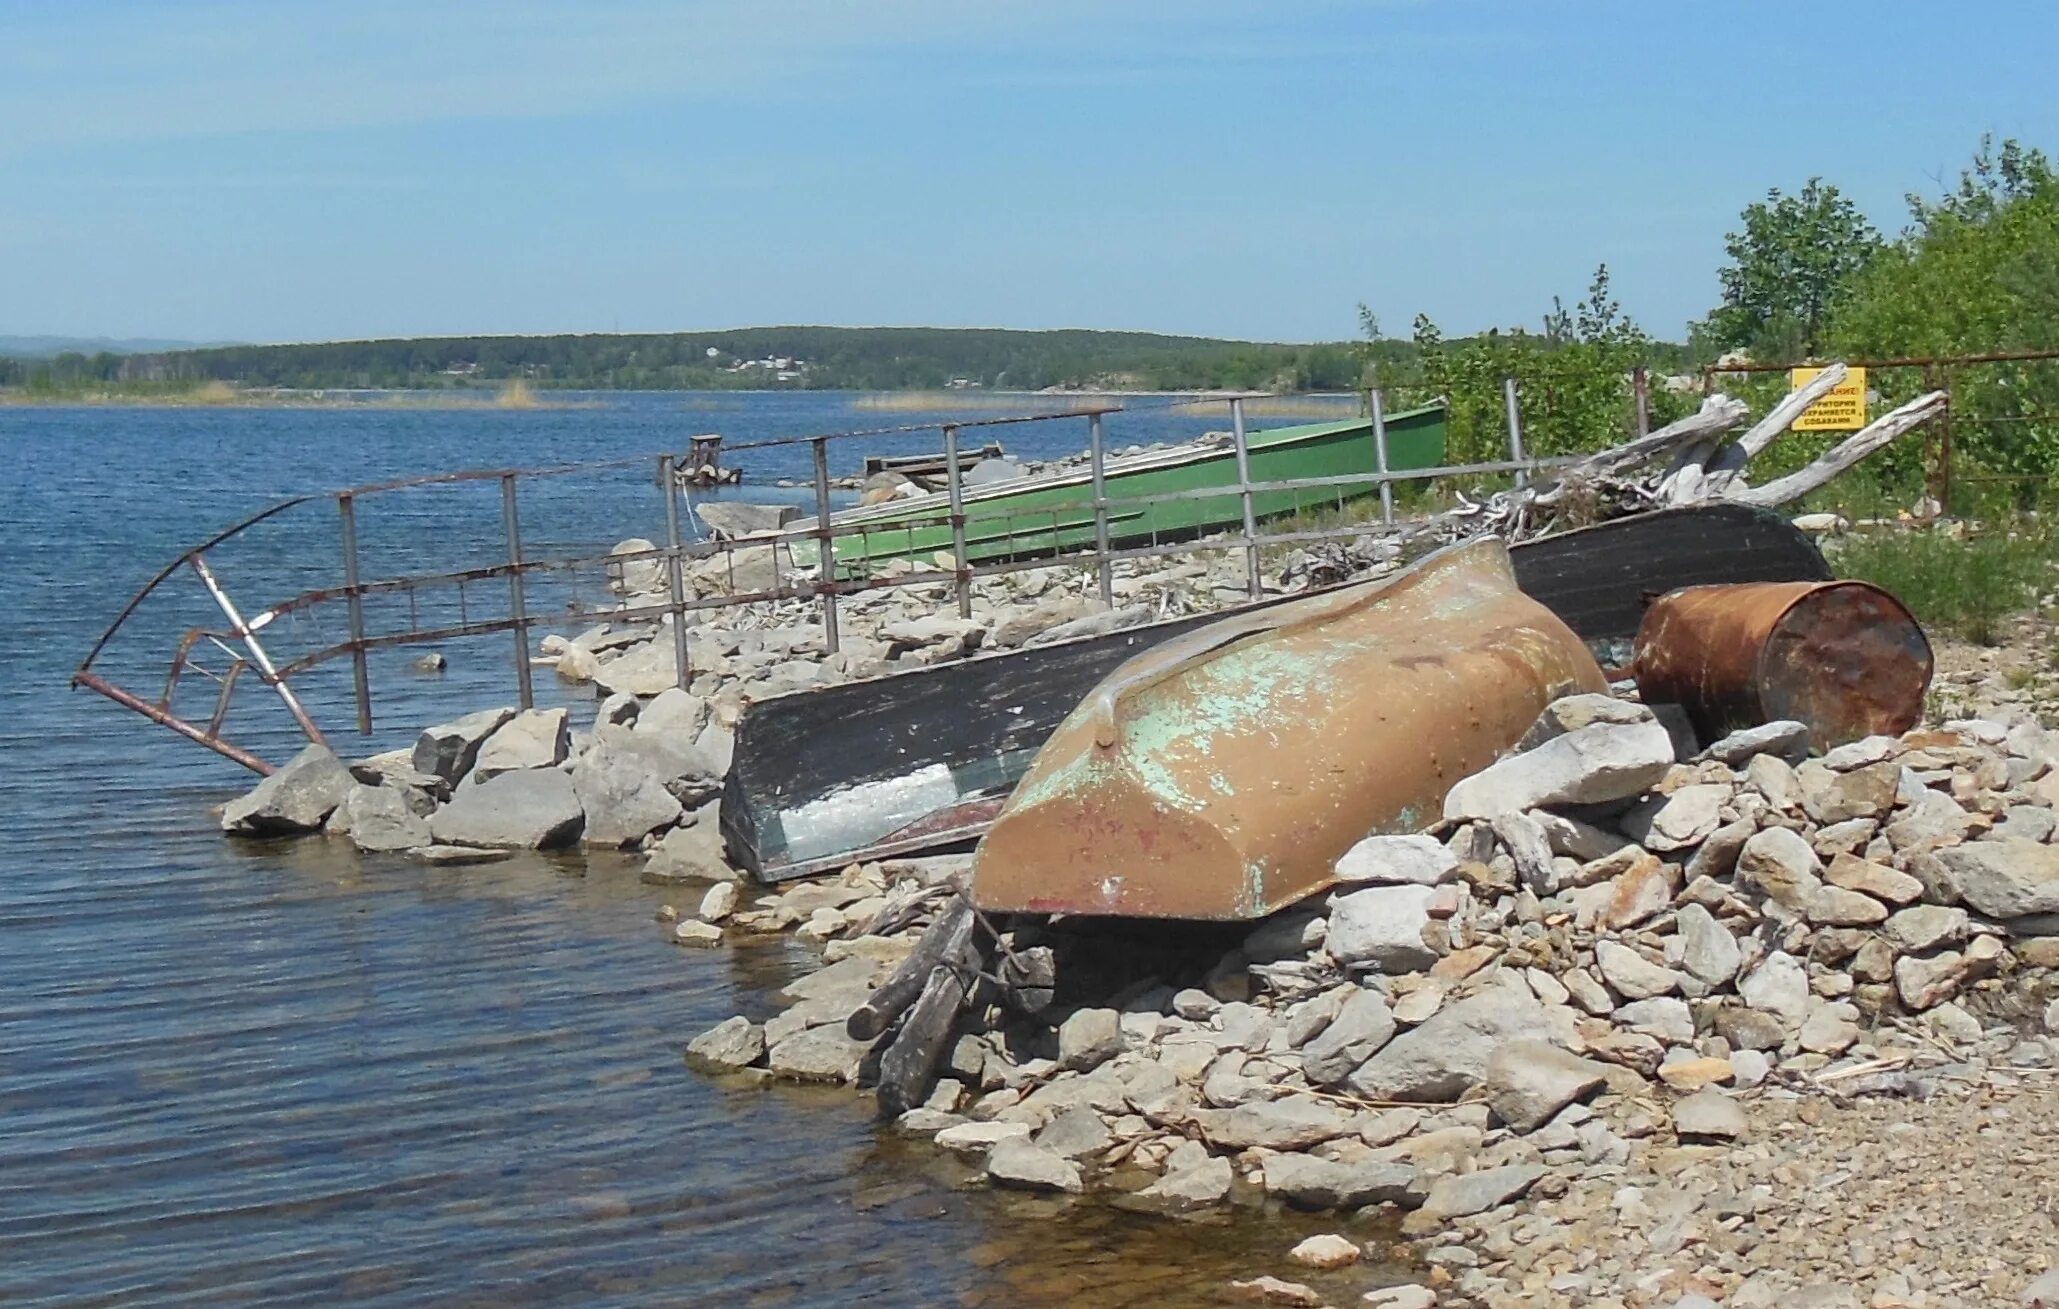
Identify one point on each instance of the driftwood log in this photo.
(947, 940)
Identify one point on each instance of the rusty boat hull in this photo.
(1846, 658)
(1221, 774)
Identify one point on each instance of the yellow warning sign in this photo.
(1843, 409)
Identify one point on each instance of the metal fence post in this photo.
(346, 507)
(1377, 402)
(1515, 417)
(825, 585)
(954, 478)
(1237, 434)
(675, 587)
(518, 599)
(1640, 384)
(1104, 567)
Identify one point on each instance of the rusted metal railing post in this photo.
(1640, 384)
(1515, 419)
(1237, 434)
(955, 479)
(1376, 401)
(361, 677)
(825, 586)
(1104, 567)
(518, 599)
(248, 636)
(675, 586)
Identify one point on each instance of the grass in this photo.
(1960, 578)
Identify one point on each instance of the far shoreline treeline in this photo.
(757, 358)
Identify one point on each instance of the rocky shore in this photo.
(1744, 1027)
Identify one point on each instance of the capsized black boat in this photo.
(921, 761)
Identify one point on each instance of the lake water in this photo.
(285, 1074)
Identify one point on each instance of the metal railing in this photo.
(522, 570)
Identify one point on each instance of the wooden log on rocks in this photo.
(948, 940)
(908, 1068)
(1843, 456)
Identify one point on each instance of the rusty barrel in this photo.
(1221, 774)
(1846, 658)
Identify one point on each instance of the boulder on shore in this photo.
(448, 750)
(532, 809)
(297, 798)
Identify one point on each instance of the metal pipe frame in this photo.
(1097, 457)
(675, 584)
(360, 670)
(518, 606)
(248, 635)
(1515, 422)
(826, 562)
(954, 478)
(1254, 580)
(1376, 403)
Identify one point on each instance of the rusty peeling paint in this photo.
(1220, 776)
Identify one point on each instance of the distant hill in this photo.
(49, 347)
(854, 358)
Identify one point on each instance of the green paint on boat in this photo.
(1046, 515)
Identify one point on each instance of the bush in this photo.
(1966, 584)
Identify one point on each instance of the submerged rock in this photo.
(533, 809)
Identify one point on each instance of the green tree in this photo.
(1788, 266)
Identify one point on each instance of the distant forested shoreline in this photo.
(801, 358)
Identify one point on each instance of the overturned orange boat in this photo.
(1221, 774)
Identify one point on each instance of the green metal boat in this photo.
(1055, 511)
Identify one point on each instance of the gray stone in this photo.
(1196, 1187)
(1780, 865)
(1577, 840)
(1089, 1038)
(718, 903)
(1601, 762)
(1877, 880)
(1924, 927)
(1830, 1029)
(1787, 739)
(1858, 754)
(624, 798)
(2008, 878)
(1382, 928)
(691, 852)
(1709, 1114)
(1717, 856)
(386, 818)
(1632, 975)
(448, 750)
(731, 520)
(1923, 982)
(1410, 1296)
(1685, 818)
(1528, 847)
(673, 713)
(1075, 1132)
(1834, 906)
(1289, 934)
(732, 1043)
(1778, 986)
(297, 798)
(978, 1138)
(1774, 778)
(1293, 1123)
(1448, 1053)
(1932, 819)
(534, 738)
(694, 932)
(1528, 1082)
(1830, 796)
(1397, 861)
(1665, 1017)
(1709, 953)
(532, 809)
(818, 1054)
(1309, 1181)
(1749, 1029)
(1363, 1023)
(1024, 1167)
(1464, 1194)
(455, 856)
(2043, 1292)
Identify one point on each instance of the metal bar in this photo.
(221, 701)
(244, 633)
(1243, 445)
(1515, 421)
(1097, 456)
(360, 671)
(1376, 400)
(93, 681)
(674, 584)
(954, 479)
(518, 606)
(826, 535)
(1640, 384)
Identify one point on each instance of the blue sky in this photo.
(230, 170)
